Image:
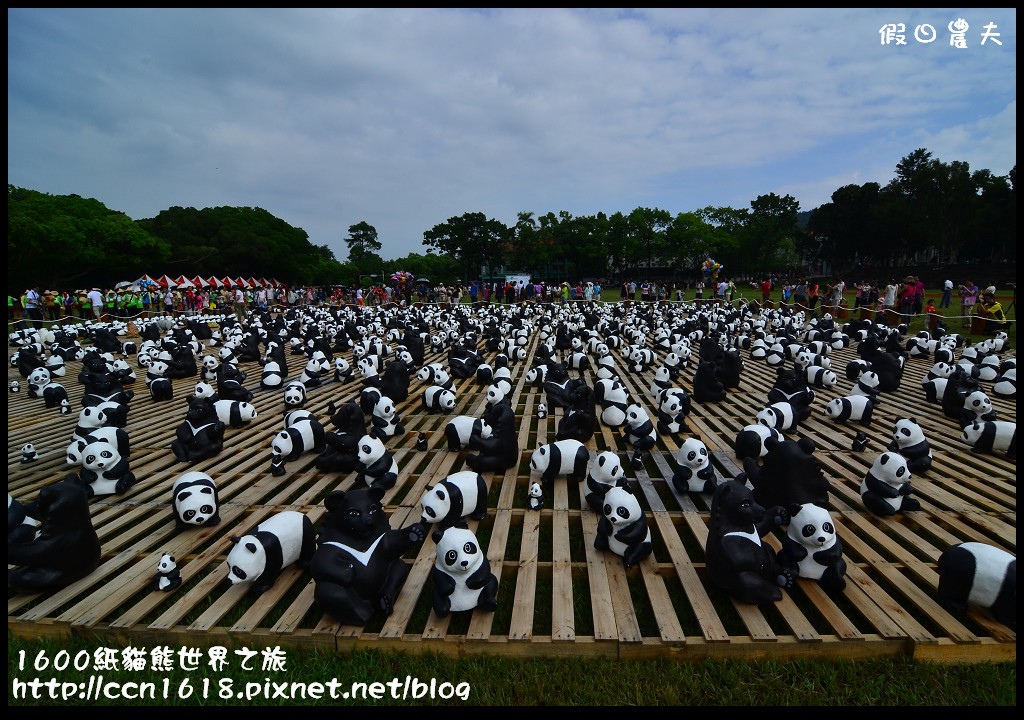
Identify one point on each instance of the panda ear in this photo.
(335, 501)
(794, 509)
(375, 493)
(234, 539)
(251, 547)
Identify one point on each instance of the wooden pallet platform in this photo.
(557, 594)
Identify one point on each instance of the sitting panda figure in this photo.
(435, 374)
(639, 432)
(168, 576)
(567, 458)
(462, 430)
(811, 548)
(605, 473)
(194, 501)
(788, 475)
(104, 471)
(909, 441)
(707, 388)
(974, 575)
(750, 440)
(462, 574)
(41, 385)
(377, 465)
(1005, 385)
(623, 527)
(258, 557)
(672, 412)
(867, 385)
(303, 433)
(858, 408)
(160, 386)
(272, 376)
(21, 526)
(385, 421)
(64, 548)
(357, 566)
(535, 496)
(737, 561)
(992, 437)
(886, 488)
(977, 408)
(614, 401)
(934, 389)
(695, 473)
(462, 494)
(343, 372)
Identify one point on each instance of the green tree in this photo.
(472, 240)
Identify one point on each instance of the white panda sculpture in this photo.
(1006, 384)
(462, 430)
(782, 416)
(908, 440)
(886, 489)
(462, 494)
(462, 576)
(605, 473)
(977, 407)
(639, 432)
(194, 501)
(623, 527)
(974, 575)
(294, 394)
(104, 471)
(614, 401)
(695, 473)
(258, 557)
(857, 408)
(750, 440)
(272, 376)
(437, 399)
(168, 576)
(205, 389)
(304, 434)
(811, 547)
(235, 413)
(385, 421)
(535, 496)
(567, 458)
(377, 465)
(820, 377)
(992, 437)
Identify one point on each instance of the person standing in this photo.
(947, 294)
(96, 299)
(968, 298)
(33, 311)
(800, 293)
(992, 311)
(918, 295)
(699, 290)
(766, 291)
(907, 298)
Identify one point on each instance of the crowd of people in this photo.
(907, 297)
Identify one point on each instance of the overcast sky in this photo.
(405, 118)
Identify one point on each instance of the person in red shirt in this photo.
(766, 290)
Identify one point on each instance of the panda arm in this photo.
(604, 526)
(880, 488)
(480, 577)
(635, 533)
(793, 550)
(893, 446)
(444, 584)
(830, 556)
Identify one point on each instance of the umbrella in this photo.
(123, 284)
(147, 280)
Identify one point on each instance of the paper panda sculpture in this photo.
(977, 407)
(41, 385)
(377, 465)
(64, 549)
(29, 453)
(974, 575)
(886, 488)
(358, 567)
(750, 440)
(820, 377)
(535, 496)
(168, 576)
(566, 458)
(737, 561)
(302, 434)
(783, 416)
(384, 420)
(857, 408)
(258, 557)
(294, 394)
(811, 548)
(672, 412)
(605, 473)
(104, 471)
(623, 527)
(639, 432)
(272, 376)
(462, 494)
(235, 413)
(437, 399)
(462, 576)
(695, 473)
(21, 527)
(614, 401)
(993, 437)
(1005, 384)
(909, 441)
(461, 431)
(194, 501)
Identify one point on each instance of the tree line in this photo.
(931, 211)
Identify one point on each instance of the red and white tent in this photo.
(254, 283)
(227, 281)
(242, 281)
(183, 282)
(145, 280)
(198, 281)
(166, 281)
(266, 283)
(213, 281)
